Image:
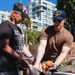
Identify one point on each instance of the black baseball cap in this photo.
(22, 9)
(59, 14)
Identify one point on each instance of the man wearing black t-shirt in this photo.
(12, 42)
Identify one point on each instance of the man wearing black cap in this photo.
(12, 48)
(55, 43)
(21, 9)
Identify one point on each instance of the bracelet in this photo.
(30, 56)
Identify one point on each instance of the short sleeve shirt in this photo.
(55, 41)
(16, 42)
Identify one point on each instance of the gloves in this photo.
(53, 68)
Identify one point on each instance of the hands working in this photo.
(49, 66)
(38, 67)
(53, 68)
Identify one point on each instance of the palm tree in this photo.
(27, 23)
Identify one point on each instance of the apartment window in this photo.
(53, 7)
(39, 24)
(34, 17)
(48, 5)
(3, 16)
(48, 10)
(34, 9)
(33, 5)
(44, 13)
(35, 27)
(45, 25)
(30, 6)
(36, 3)
(44, 8)
(48, 13)
(44, 3)
(53, 11)
(44, 20)
(44, 16)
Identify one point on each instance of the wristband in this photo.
(30, 56)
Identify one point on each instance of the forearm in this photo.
(62, 55)
(40, 54)
(60, 59)
(26, 51)
(10, 51)
(18, 58)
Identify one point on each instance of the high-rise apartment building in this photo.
(40, 12)
(3, 16)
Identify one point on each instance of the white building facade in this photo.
(41, 12)
(3, 16)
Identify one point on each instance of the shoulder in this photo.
(2, 23)
(68, 37)
(5, 31)
(48, 29)
(67, 33)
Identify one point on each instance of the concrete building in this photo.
(40, 12)
(3, 16)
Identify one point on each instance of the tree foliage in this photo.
(27, 22)
(69, 7)
(33, 36)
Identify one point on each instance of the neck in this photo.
(60, 30)
(12, 22)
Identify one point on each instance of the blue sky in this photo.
(7, 5)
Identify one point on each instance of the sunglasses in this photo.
(56, 20)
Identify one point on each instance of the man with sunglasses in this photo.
(12, 47)
(55, 43)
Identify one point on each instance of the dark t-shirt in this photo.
(55, 42)
(9, 30)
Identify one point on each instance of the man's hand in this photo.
(23, 63)
(53, 68)
(38, 67)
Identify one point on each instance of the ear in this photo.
(65, 20)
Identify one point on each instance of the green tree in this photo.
(33, 36)
(30, 36)
(27, 23)
(69, 7)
